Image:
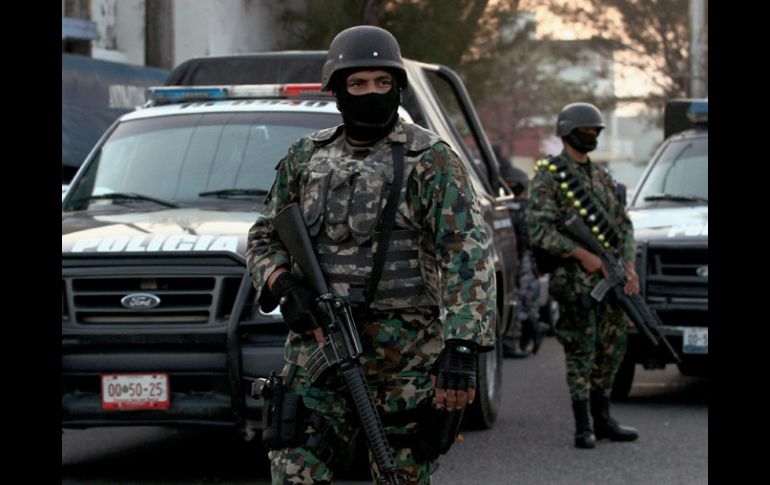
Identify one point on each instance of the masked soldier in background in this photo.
(592, 333)
(434, 307)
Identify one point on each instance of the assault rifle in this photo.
(634, 305)
(342, 345)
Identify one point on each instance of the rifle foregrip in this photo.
(370, 419)
(635, 309)
(650, 316)
(291, 229)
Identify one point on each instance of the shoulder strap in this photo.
(388, 218)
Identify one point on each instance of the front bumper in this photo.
(201, 390)
(210, 361)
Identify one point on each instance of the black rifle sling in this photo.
(388, 218)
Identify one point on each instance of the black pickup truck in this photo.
(159, 320)
(670, 213)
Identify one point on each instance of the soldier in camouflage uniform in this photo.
(527, 296)
(593, 334)
(527, 282)
(434, 307)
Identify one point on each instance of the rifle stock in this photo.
(633, 305)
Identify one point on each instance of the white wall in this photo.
(120, 27)
(201, 28)
(191, 29)
(130, 30)
(239, 27)
(222, 27)
(594, 68)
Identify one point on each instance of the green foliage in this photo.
(440, 31)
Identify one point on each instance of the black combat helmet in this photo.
(363, 46)
(578, 115)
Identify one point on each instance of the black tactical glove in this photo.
(455, 367)
(297, 303)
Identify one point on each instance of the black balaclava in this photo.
(582, 142)
(369, 116)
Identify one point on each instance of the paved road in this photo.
(531, 442)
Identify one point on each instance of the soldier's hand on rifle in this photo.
(454, 375)
(297, 304)
(590, 262)
(632, 280)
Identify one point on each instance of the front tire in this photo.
(482, 414)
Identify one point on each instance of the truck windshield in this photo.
(680, 175)
(184, 158)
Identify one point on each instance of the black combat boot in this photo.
(540, 330)
(584, 436)
(604, 425)
(510, 351)
(527, 335)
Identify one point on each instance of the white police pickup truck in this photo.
(159, 323)
(669, 211)
(159, 320)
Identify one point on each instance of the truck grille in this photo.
(65, 313)
(675, 282)
(195, 295)
(677, 272)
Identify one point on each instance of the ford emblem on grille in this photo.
(702, 271)
(140, 301)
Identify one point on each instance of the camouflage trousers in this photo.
(398, 381)
(594, 337)
(528, 290)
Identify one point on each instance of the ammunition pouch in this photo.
(285, 422)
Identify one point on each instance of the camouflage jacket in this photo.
(437, 198)
(548, 204)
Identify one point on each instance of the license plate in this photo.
(126, 392)
(695, 340)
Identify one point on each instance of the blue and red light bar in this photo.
(180, 94)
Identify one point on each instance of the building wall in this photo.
(593, 67)
(120, 27)
(222, 27)
(191, 29)
(200, 28)
(239, 27)
(130, 30)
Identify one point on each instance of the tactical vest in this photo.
(343, 194)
